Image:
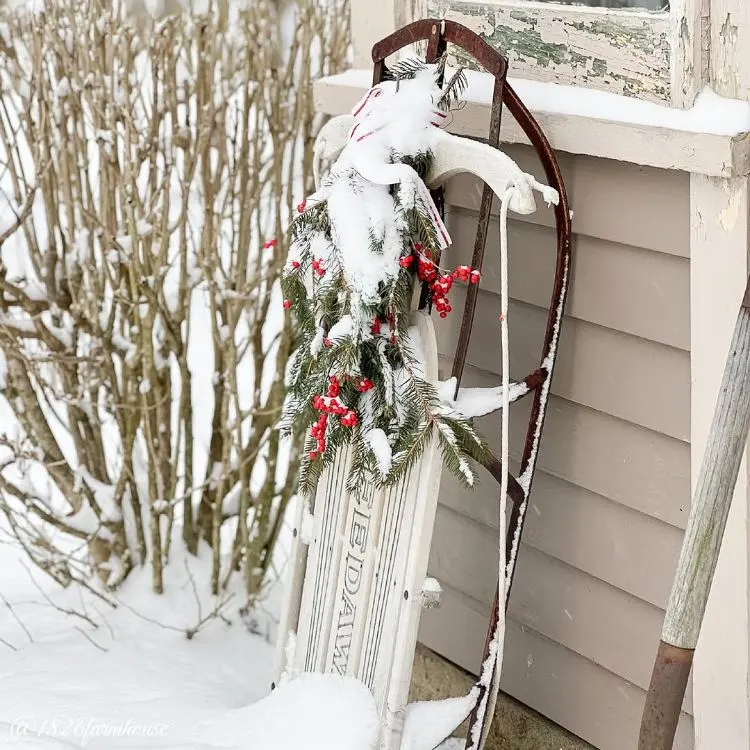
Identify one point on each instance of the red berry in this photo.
(301, 207)
(313, 455)
(375, 328)
(418, 247)
(327, 342)
(287, 304)
(474, 277)
(406, 261)
(443, 314)
(295, 264)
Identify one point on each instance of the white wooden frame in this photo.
(645, 54)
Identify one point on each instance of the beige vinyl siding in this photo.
(612, 487)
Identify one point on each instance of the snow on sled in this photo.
(367, 265)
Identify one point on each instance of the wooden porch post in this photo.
(720, 219)
(719, 270)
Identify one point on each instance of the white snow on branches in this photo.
(359, 211)
(378, 442)
(366, 228)
(343, 329)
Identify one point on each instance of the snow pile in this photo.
(477, 402)
(378, 442)
(428, 723)
(313, 711)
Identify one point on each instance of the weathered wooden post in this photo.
(700, 548)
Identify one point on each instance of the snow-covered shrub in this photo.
(148, 167)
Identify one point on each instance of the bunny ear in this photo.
(359, 107)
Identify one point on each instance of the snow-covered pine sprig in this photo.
(358, 250)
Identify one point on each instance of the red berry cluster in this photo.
(364, 384)
(440, 283)
(318, 267)
(287, 304)
(329, 404)
(269, 244)
(467, 273)
(301, 207)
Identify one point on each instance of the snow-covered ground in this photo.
(130, 671)
(74, 672)
(77, 673)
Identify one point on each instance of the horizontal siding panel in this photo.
(586, 699)
(604, 539)
(626, 203)
(582, 613)
(640, 468)
(629, 377)
(637, 291)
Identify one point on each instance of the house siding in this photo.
(612, 488)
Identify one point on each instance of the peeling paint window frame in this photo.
(636, 53)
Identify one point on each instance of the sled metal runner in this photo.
(439, 34)
(358, 563)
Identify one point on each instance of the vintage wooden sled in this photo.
(356, 581)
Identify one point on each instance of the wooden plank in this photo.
(606, 625)
(730, 41)
(628, 377)
(590, 701)
(621, 52)
(689, 50)
(607, 278)
(657, 201)
(625, 548)
(635, 142)
(368, 27)
(641, 469)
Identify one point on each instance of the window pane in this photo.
(643, 4)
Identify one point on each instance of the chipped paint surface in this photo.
(624, 52)
(730, 35)
(730, 214)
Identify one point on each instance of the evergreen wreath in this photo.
(358, 249)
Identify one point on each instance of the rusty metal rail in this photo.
(438, 35)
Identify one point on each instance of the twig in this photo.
(16, 617)
(9, 645)
(90, 639)
(54, 605)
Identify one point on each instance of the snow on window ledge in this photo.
(712, 137)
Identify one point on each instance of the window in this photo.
(645, 4)
(637, 48)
